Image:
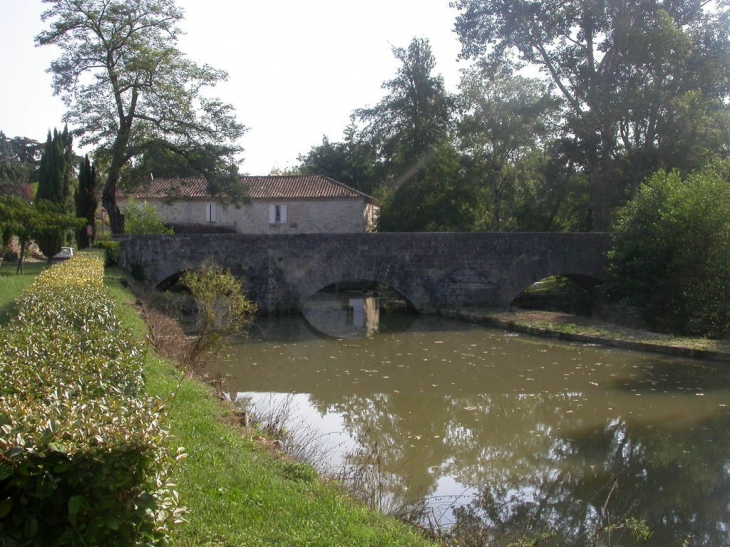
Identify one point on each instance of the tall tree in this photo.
(628, 73)
(19, 158)
(409, 128)
(128, 88)
(413, 118)
(504, 121)
(87, 201)
(55, 171)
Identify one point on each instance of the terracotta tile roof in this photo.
(258, 188)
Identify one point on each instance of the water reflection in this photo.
(343, 317)
(354, 314)
(515, 432)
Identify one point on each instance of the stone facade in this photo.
(295, 216)
(292, 204)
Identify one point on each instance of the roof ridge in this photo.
(345, 186)
(310, 186)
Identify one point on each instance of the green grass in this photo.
(12, 285)
(237, 492)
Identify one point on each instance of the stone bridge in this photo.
(431, 270)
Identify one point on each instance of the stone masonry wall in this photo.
(303, 216)
(431, 270)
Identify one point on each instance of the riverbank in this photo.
(586, 330)
(236, 488)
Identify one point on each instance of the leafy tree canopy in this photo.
(42, 222)
(644, 83)
(18, 162)
(353, 161)
(129, 89)
(503, 123)
(413, 118)
(671, 258)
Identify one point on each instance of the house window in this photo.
(211, 213)
(277, 214)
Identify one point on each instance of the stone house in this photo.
(299, 204)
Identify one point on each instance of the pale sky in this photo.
(297, 68)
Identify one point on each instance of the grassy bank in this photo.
(236, 490)
(11, 285)
(587, 330)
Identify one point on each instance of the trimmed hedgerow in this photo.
(85, 458)
(111, 249)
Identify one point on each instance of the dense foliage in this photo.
(87, 202)
(143, 219)
(85, 459)
(40, 222)
(672, 253)
(111, 249)
(643, 83)
(221, 304)
(18, 163)
(56, 171)
(130, 91)
(617, 92)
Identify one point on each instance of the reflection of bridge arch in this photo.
(356, 277)
(431, 270)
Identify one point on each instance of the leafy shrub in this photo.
(222, 306)
(143, 219)
(84, 457)
(111, 249)
(671, 256)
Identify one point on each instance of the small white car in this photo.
(64, 254)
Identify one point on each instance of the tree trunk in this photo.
(109, 196)
(116, 218)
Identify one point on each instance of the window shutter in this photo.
(283, 214)
(272, 214)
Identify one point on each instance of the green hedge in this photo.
(84, 455)
(112, 250)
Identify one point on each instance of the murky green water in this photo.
(484, 427)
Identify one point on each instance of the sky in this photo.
(297, 68)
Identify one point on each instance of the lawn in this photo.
(12, 285)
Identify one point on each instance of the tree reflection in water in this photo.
(479, 429)
(535, 479)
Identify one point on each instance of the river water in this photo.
(485, 429)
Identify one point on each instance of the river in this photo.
(479, 428)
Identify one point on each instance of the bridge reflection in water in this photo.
(343, 315)
(355, 314)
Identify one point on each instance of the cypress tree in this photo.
(48, 175)
(56, 169)
(87, 202)
(54, 187)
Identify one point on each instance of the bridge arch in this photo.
(431, 270)
(380, 273)
(522, 283)
(570, 293)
